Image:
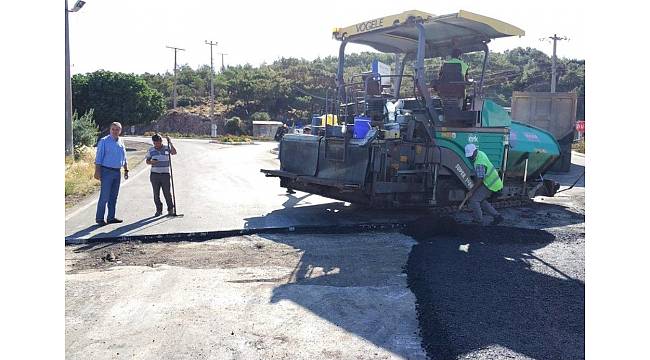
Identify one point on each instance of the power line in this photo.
(312, 95)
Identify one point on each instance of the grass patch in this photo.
(234, 138)
(579, 146)
(79, 172)
(240, 138)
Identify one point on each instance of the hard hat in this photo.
(469, 150)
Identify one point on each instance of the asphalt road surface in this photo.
(438, 290)
(500, 293)
(218, 187)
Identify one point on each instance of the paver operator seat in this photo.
(451, 85)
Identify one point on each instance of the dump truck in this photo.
(554, 112)
(404, 148)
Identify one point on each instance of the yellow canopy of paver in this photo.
(398, 34)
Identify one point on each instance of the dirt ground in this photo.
(251, 297)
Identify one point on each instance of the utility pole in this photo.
(174, 84)
(222, 66)
(68, 83)
(555, 39)
(211, 79)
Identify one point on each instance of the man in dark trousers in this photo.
(487, 182)
(111, 156)
(158, 157)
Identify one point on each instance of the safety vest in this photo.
(463, 66)
(491, 180)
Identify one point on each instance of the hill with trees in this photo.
(291, 88)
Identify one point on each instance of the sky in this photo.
(131, 36)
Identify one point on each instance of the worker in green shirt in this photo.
(487, 182)
(455, 59)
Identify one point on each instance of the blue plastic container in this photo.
(361, 127)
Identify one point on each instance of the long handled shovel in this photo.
(171, 176)
(467, 196)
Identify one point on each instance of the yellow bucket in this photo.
(331, 120)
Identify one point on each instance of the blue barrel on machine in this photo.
(361, 127)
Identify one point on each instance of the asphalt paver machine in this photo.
(391, 150)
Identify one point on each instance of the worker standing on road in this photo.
(110, 157)
(158, 157)
(487, 182)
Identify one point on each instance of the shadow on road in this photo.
(357, 286)
(476, 289)
(293, 200)
(466, 300)
(122, 230)
(333, 213)
(341, 213)
(84, 232)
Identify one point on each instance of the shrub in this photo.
(246, 126)
(84, 131)
(181, 101)
(233, 126)
(261, 116)
(184, 101)
(234, 139)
